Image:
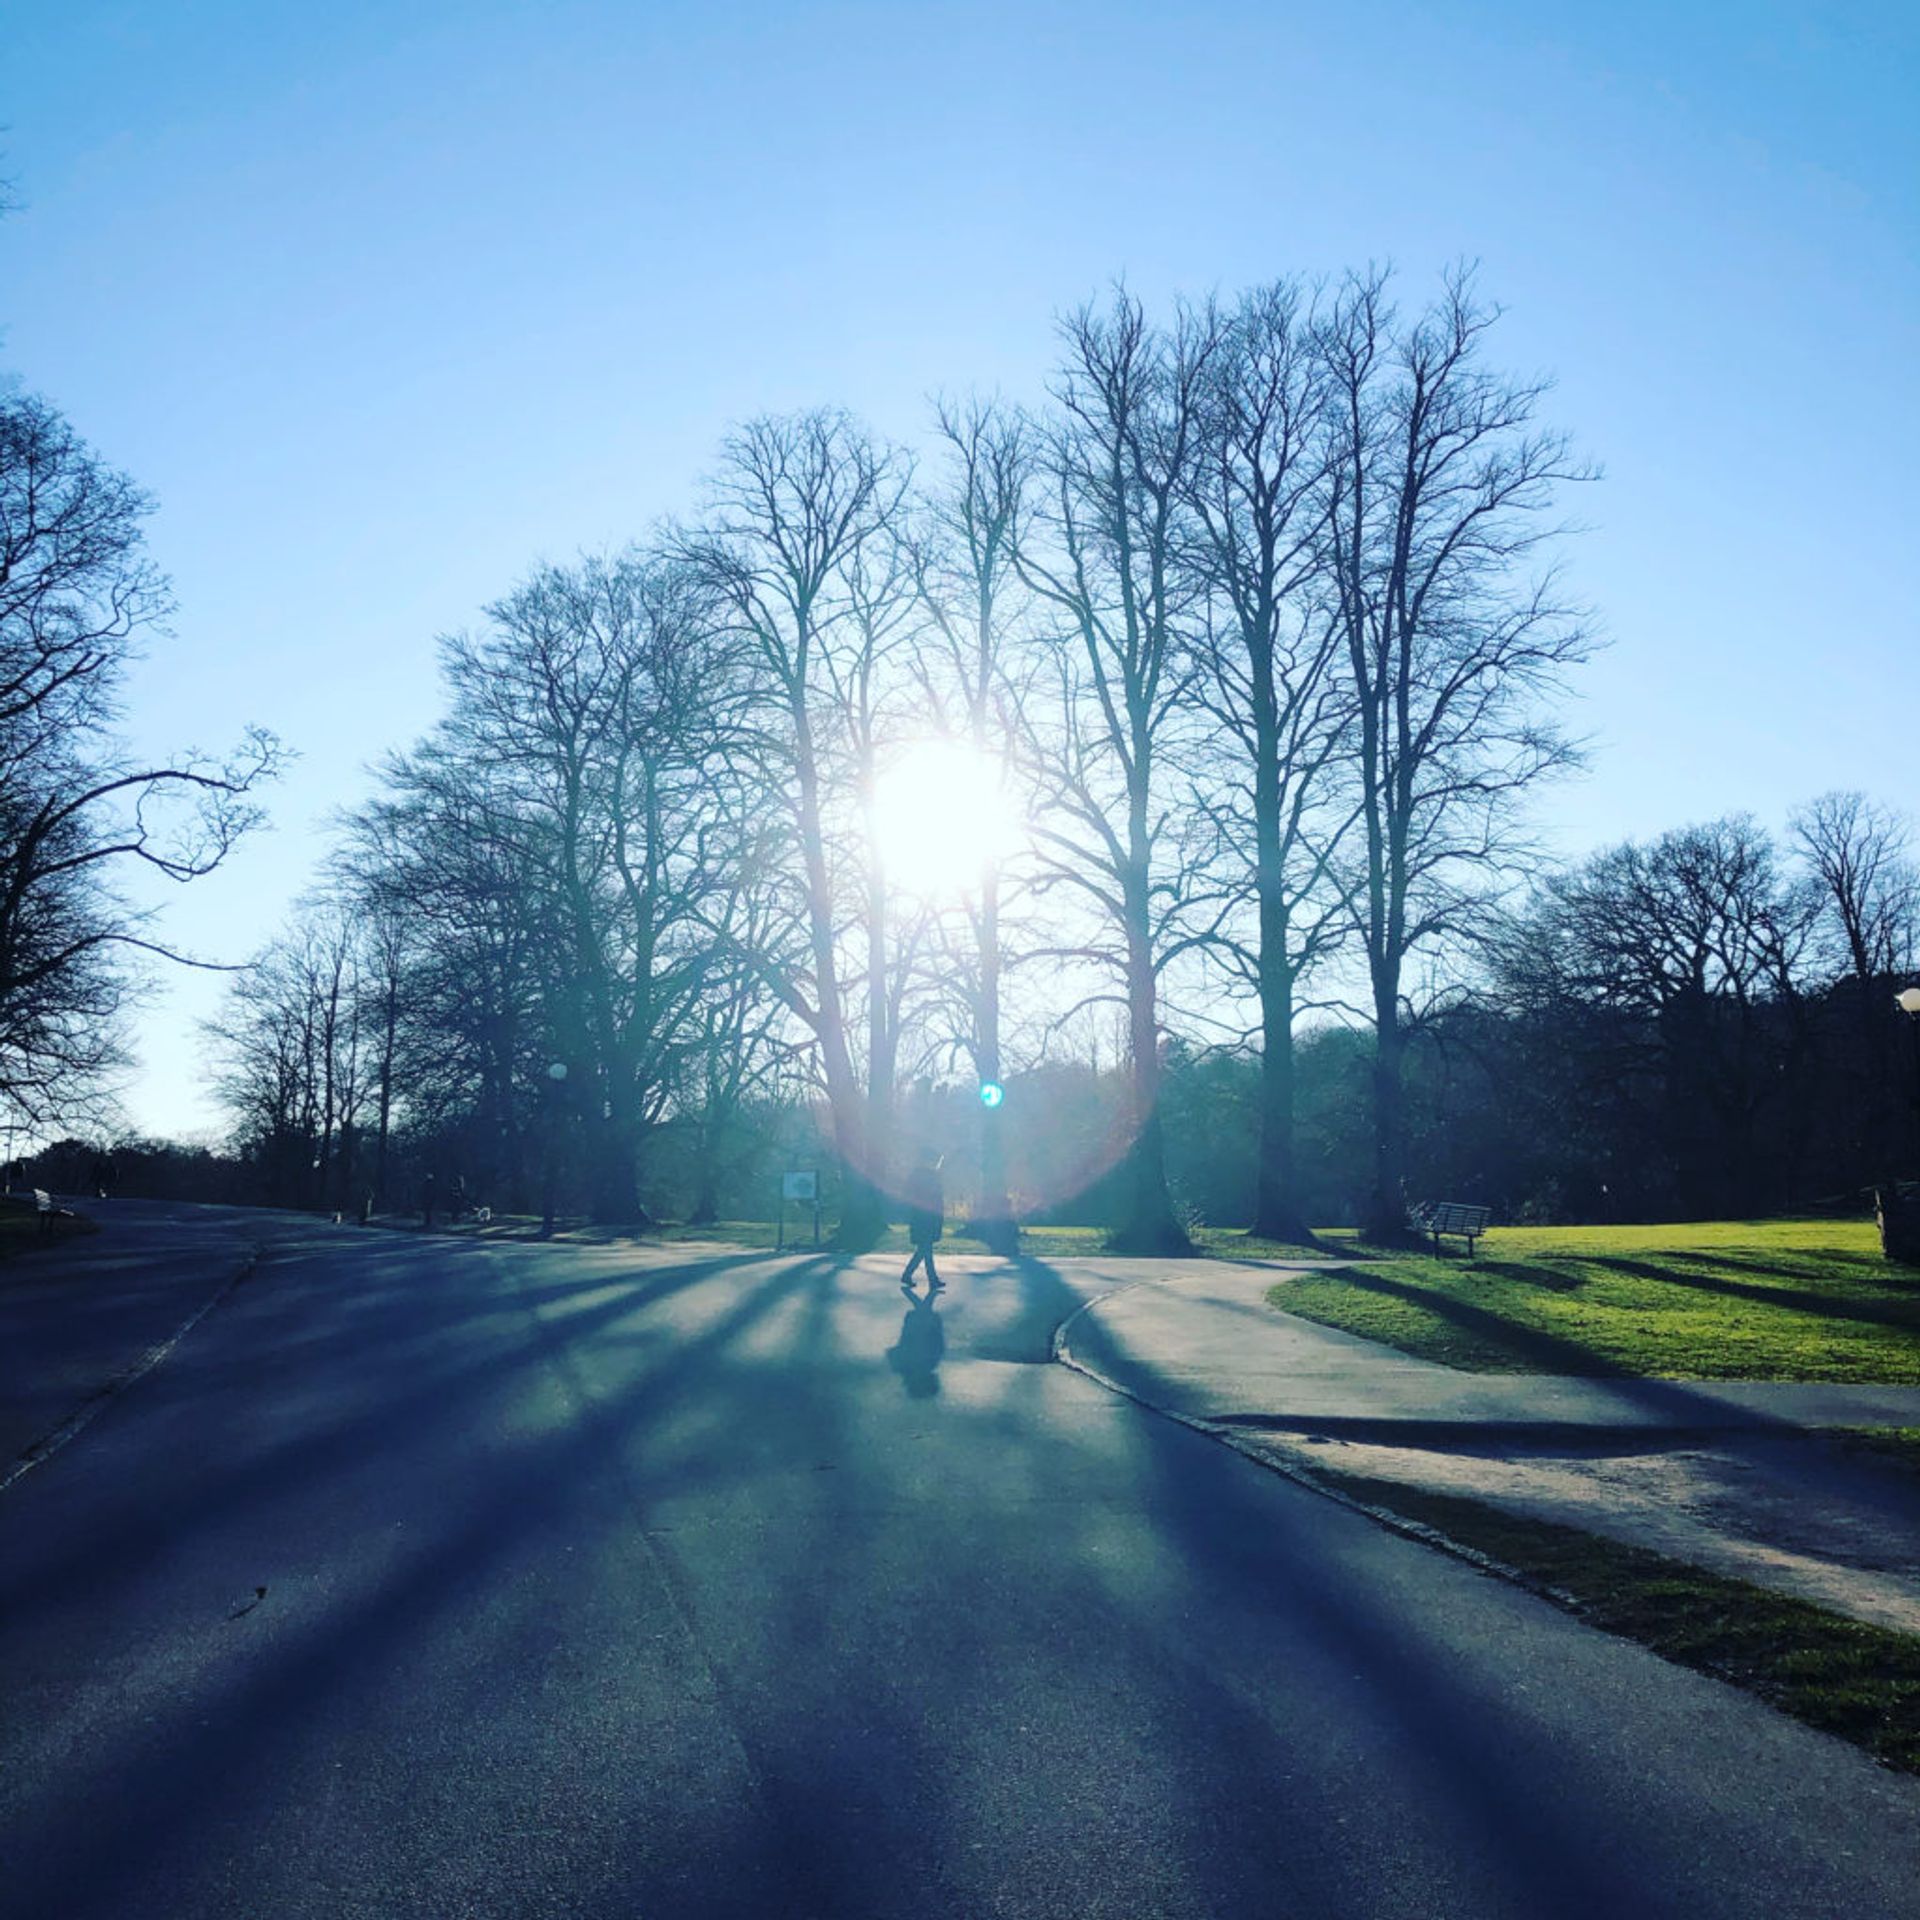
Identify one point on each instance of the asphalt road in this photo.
(608, 1585)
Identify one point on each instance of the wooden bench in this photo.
(1451, 1216)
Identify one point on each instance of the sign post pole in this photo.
(800, 1184)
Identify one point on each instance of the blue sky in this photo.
(385, 303)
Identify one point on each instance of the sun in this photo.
(940, 815)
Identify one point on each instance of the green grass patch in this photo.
(1843, 1676)
(1717, 1300)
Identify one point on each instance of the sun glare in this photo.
(939, 816)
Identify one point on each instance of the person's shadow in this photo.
(916, 1355)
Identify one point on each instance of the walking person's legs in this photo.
(906, 1279)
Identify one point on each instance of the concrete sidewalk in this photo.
(1733, 1476)
(1201, 1341)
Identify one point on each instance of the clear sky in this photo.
(385, 302)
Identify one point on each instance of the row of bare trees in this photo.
(1254, 624)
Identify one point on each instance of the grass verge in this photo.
(1845, 1677)
(1716, 1300)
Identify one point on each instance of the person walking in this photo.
(926, 1208)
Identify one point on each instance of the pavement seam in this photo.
(96, 1403)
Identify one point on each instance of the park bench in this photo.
(1451, 1216)
(44, 1207)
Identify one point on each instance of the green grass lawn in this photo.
(1714, 1300)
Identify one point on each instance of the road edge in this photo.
(39, 1451)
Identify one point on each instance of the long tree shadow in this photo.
(1234, 1629)
(424, 1366)
(1889, 1313)
(537, 1488)
(1443, 1724)
(1524, 1273)
(1535, 1352)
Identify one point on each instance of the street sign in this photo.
(800, 1186)
(991, 1093)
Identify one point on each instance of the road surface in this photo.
(611, 1584)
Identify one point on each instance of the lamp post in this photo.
(556, 1079)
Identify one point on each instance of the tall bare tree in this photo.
(1862, 854)
(292, 1060)
(803, 508)
(1442, 490)
(593, 690)
(971, 587)
(1107, 556)
(1271, 647)
(78, 595)
(1859, 853)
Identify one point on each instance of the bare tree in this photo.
(971, 587)
(1693, 946)
(77, 594)
(1271, 647)
(1106, 556)
(289, 1043)
(803, 508)
(445, 860)
(1861, 853)
(593, 691)
(1441, 491)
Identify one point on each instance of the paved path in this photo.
(1200, 1339)
(1727, 1475)
(598, 1584)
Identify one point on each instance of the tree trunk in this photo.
(993, 1218)
(615, 1198)
(705, 1177)
(1147, 1224)
(1386, 1223)
(861, 1217)
(1276, 1213)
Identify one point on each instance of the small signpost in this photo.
(802, 1185)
